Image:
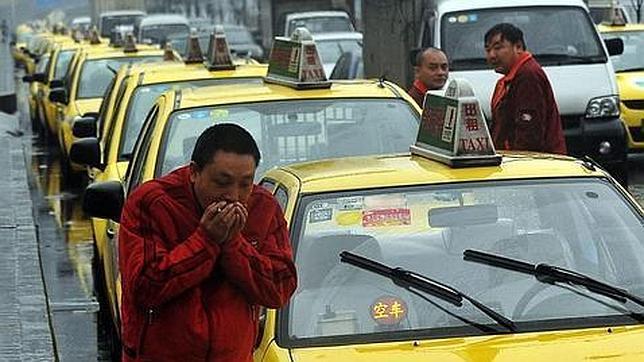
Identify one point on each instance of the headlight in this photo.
(606, 106)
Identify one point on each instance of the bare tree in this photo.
(637, 6)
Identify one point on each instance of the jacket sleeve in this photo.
(262, 269)
(151, 272)
(529, 113)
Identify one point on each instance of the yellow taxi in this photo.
(629, 69)
(36, 84)
(24, 33)
(91, 72)
(136, 88)
(293, 124)
(450, 253)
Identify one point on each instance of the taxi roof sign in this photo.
(116, 39)
(219, 56)
(295, 62)
(453, 129)
(193, 50)
(130, 44)
(168, 53)
(94, 38)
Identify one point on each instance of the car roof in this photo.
(246, 93)
(340, 35)
(368, 172)
(317, 14)
(608, 28)
(122, 12)
(446, 6)
(108, 52)
(165, 72)
(162, 19)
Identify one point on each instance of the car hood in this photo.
(573, 85)
(605, 344)
(631, 85)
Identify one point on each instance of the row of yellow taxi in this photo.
(450, 252)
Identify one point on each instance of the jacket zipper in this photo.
(149, 319)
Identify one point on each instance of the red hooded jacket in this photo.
(185, 298)
(524, 112)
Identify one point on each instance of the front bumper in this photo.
(584, 137)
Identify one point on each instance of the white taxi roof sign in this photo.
(453, 129)
(219, 56)
(193, 50)
(295, 62)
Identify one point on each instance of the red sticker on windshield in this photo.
(386, 217)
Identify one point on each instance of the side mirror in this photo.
(39, 77)
(104, 200)
(28, 78)
(86, 151)
(615, 46)
(56, 83)
(84, 127)
(58, 95)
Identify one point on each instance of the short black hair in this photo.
(227, 137)
(417, 56)
(508, 32)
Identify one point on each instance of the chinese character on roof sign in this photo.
(453, 129)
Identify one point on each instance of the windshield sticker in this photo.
(386, 217)
(351, 203)
(388, 310)
(200, 114)
(451, 19)
(349, 218)
(218, 114)
(463, 19)
(387, 201)
(183, 116)
(320, 215)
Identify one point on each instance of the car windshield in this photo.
(331, 50)
(158, 33)
(143, 98)
(96, 74)
(238, 36)
(110, 22)
(584, 225)
(555, 35)
(633, 56)
(322, 24)
(64, 58)
(298, 130)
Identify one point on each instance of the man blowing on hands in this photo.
(201, 249)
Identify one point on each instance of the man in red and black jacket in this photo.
(525, 116)
(430, 73)
(201, 249)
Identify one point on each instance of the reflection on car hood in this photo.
(615, 344)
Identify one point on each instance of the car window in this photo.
(64, 59)
(298, 130)
(134, 173)
(112, 122)
(322, 24)
(158, 33)
(331, 50)
(144, 97)
(281, 195)
(96, 74)
(554, 35)
(632, 59)
(584, 225)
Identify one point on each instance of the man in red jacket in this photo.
(524, 112)
(201, 250)
(430, 73)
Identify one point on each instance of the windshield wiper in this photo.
(638, 69)
(408, 279)
(551, 274)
